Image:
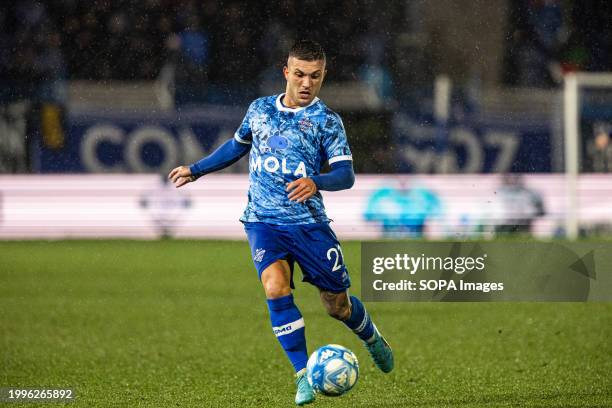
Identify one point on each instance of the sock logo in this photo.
(259, 254)
(283, 330)
(288, 328)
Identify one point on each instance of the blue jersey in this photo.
(288, 144)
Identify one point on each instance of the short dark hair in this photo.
(307, 50)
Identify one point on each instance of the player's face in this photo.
(304, 80)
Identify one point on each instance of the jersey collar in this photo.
(283, 108)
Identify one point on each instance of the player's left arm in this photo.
(341, 176)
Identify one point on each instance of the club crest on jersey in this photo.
(305, 125)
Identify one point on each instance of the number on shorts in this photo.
(338, 252)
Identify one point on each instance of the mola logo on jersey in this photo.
(272, 165)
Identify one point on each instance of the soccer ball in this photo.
(332, 370)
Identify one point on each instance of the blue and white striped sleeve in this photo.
(335, 143)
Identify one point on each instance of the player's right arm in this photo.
(227, 154)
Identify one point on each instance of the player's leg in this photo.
(319, 254)
(288, 324)
(269, 252)
(287, 321)
(352, 312)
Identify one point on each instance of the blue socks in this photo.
(288, 326)
(360, 322)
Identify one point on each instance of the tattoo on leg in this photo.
(336, 304)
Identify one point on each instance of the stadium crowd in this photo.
(230, 42)
(242, 42)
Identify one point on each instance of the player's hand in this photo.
(180, 176)
(301, 190)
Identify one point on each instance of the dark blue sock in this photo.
(360, 322)
(288, 326)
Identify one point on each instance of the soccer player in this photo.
(289, 137)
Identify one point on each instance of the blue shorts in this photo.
(313, 246)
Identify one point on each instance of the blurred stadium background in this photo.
(467, 119)
(459, 113)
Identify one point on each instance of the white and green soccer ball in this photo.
(332, 370)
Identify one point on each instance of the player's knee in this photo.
(275, 289)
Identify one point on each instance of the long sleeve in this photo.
(227, 154)
(341, 177)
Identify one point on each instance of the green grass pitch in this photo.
(184, 323)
